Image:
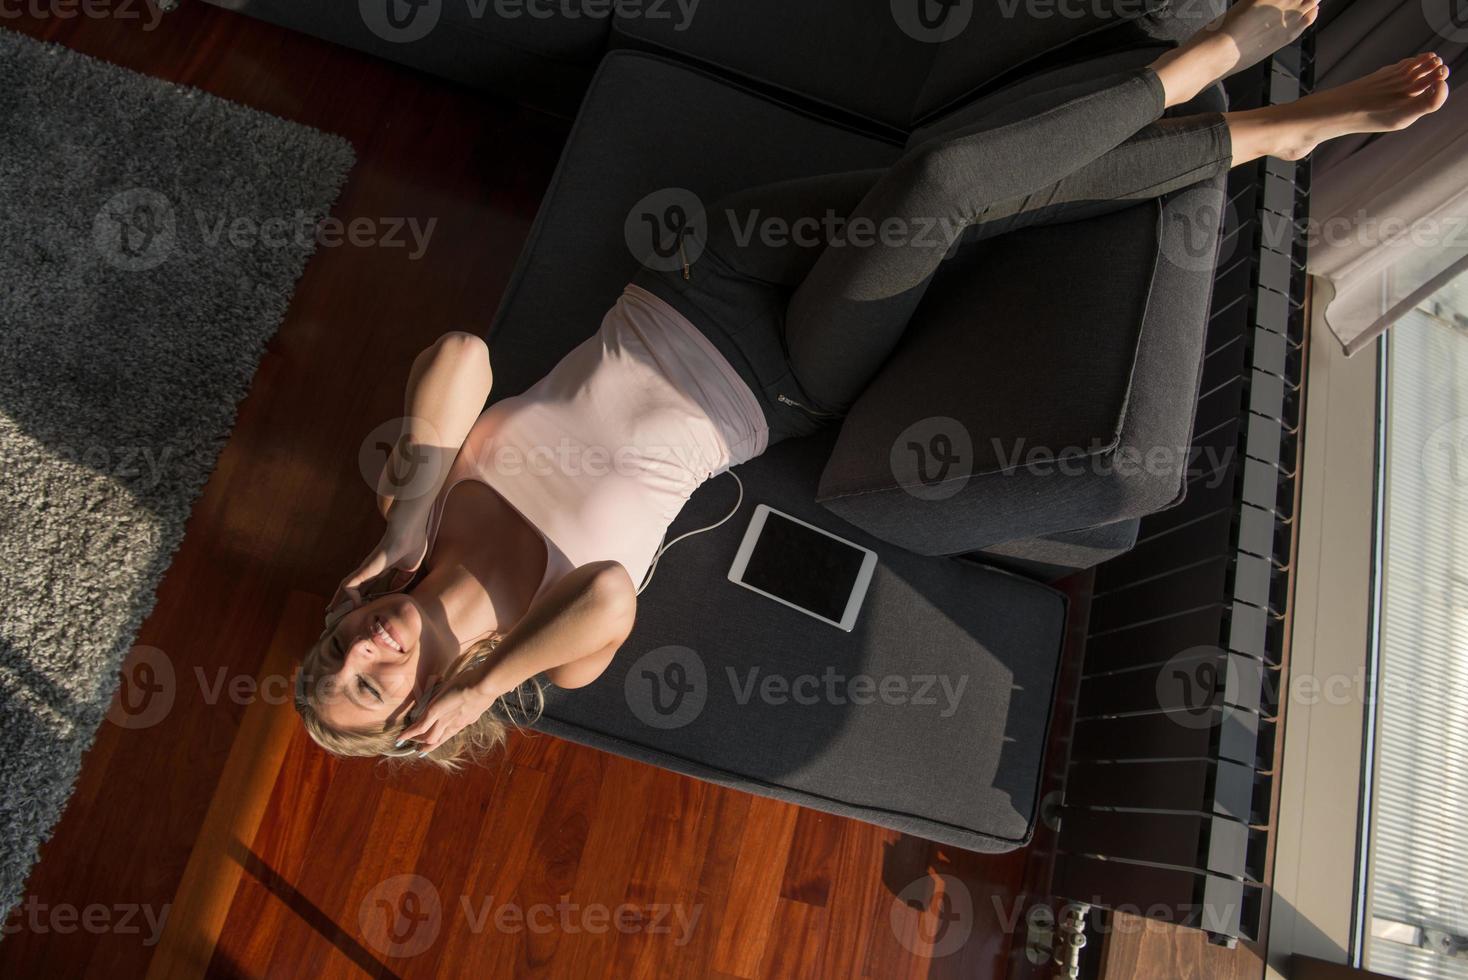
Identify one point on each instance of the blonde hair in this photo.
(474, 743)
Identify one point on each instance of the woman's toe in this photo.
(1429, 80)
(1428, 71)
(1437, 96)
(1429, 99)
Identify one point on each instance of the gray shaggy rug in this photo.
(150, 238)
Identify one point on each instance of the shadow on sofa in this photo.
(1131, 359)
(1083, 341)
(945, 655)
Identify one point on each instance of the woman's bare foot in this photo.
(1386, 101)
(1249, 32)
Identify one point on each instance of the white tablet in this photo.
(803, 567)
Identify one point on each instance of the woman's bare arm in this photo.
(588, 614)
(570, 633)
(447, 389)
(446, 392)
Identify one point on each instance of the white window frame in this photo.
(1319, 852)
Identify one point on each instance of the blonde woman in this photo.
(520, 560)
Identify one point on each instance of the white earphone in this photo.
(647, 579)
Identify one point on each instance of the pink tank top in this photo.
(602, 453)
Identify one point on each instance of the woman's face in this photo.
(374, 661)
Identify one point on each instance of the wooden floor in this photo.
(269, 859)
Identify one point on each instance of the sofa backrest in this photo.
(1012, 411)
(533, 51)
(1004, 37)
(850, 55)
(894, 63)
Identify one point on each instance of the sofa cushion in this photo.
(1054, 556)
(1033, 94)
(961, 766)
(847, 54)
(891, 61)
(649, 126)
(1070, 408)
(1062, 433)
(524, 47)
(963, 658)
(999, 389)
(1008, 38)
(1050, 410)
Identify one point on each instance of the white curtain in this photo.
(1389, 214)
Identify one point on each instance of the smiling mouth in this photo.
(381, 632)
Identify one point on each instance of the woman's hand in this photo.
(454, 708)
(390, 565)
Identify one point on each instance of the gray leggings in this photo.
(808, 318)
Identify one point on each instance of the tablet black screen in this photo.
(803, 567)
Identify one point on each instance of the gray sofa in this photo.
(931, 716)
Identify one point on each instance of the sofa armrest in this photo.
(1055, 556)
(1047, 384)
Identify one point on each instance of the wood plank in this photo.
(256, 915)
(319, 895)
(856, 908)
(794, 949)
(202, 901)
(487, 944)
(671, 845)
(464, 803)
(399, 913)
(712, 878)
(1138, 948)
(745, 927)
(560, 839)
(608, 862)
(807, 875)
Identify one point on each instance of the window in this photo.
(1370, 864)
(1414, 894)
